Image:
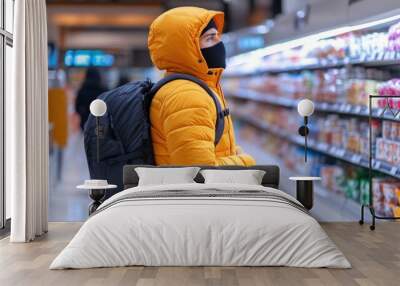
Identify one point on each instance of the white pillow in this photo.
(248, 177)
(166, 176)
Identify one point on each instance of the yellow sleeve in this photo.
(241, 159)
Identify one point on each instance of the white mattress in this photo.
(188, 231)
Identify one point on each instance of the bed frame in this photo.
(270, 179)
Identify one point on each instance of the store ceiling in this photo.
(70, 20)
(123, 24)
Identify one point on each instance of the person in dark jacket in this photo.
(91, 88)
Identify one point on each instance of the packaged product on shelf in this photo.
(386, 195)
(370, 88)
(387, 129)
(353, 142)
(351, 134)
(332, 177)
(363, 82)
(389, 88)
(352, 189)
(397, 193)
(388, 210)
(344, 85)
(380, 208)
(395, 146)
(394, 38)
(354, 88)
(395, 131)
(376, 190)
(363, 185)
(396, 211)
(389, 190)
(380, 149)
(351, 46)
(376, 129)
(364, 191)
(371, 46)
(364, 146)
(388, 150)
(337, 136)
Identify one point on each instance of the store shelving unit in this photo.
(323, 148)
(372, 62)
(337, 65)
(338, 108)
(328, 205)
(322, 107)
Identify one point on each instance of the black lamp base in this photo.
(96, 195)
(305, 193)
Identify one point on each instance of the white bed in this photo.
(249, 225)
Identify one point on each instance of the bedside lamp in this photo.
(97, 187)
(98, 108)
(305, 108)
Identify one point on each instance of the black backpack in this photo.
(124, 130)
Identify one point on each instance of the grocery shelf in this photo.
(323, 148)
(338, 108)
(328, 205)
(249, 94)
(323, 64)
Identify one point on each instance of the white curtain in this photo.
(28, 123)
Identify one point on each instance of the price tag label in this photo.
(323, 146)
(342, 108)
(356, 158)
(393, 170)
(365, 110)
(341, 152)
(357, 109)
(377, 165)
(348, 108)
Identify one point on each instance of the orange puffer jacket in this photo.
(182, 114)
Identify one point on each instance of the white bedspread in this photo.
(183, 231)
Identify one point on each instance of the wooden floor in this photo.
(375, 257)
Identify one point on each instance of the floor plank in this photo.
(375, 257)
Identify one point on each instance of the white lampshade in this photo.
(305, 107)
(98, 107)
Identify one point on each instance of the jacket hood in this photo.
(174, 41)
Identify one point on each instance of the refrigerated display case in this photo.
(337, 69)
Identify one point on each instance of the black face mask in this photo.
(215, 56)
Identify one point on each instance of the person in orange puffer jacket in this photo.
(183, 116)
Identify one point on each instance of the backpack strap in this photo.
(220, 124)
